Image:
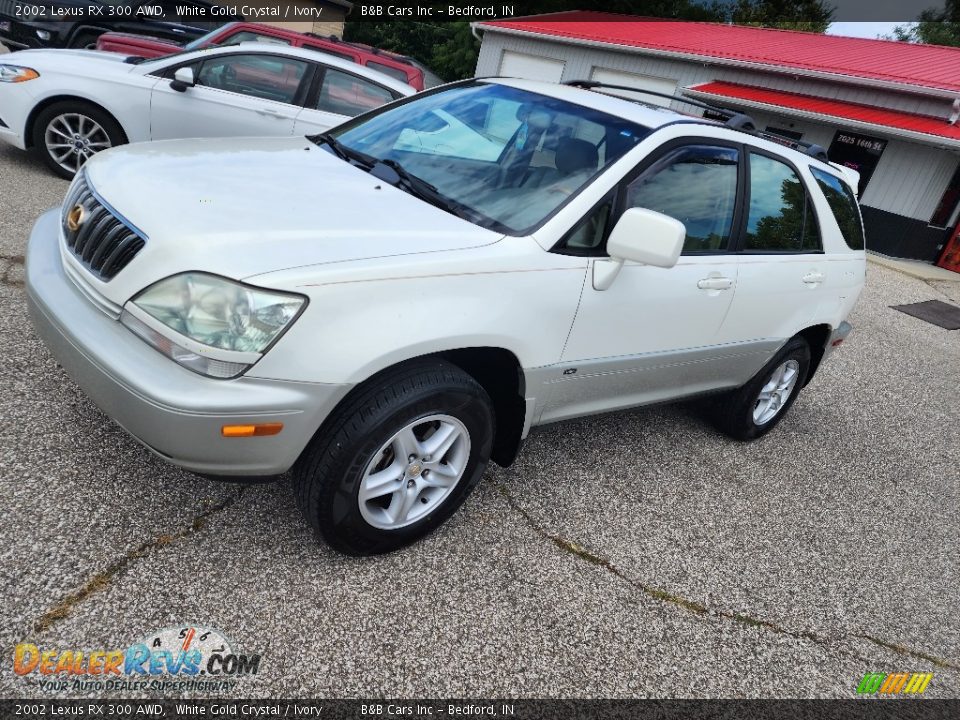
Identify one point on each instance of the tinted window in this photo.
(393, 72)
(696, 185)
(587, 235)
(263, 76)
(347, 94)
(780, 216)
(844, 206)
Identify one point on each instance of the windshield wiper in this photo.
(422, 189)
(342, 151)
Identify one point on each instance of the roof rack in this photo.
(734, 120)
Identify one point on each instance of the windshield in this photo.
(510, 156)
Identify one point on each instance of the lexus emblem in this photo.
(76, 218)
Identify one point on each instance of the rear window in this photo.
(842, 202)
(395, 73)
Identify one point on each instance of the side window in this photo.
(587, 236)
(842, 202)
(248, 36)
(780, 216)
(346, 94)
(269, 77)
(394, 72)
(697, 185)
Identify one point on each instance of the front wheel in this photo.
(755, 409)
(397, 459)
(67, 134)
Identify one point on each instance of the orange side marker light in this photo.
(235, 431)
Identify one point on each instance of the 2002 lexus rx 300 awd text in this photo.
(385, 308)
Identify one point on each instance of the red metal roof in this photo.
(936, 127)
(926, 66)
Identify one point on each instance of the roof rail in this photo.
(735, 120)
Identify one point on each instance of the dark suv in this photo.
(21, 26)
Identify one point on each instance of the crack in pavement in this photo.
(702, 610)
(102, 580)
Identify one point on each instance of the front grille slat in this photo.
(103, 242)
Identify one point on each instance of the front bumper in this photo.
(174, 412)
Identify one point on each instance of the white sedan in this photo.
(71, 104)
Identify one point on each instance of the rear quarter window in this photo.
(844, 206)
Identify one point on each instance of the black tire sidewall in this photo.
(736, 413)
(43, 119)
(334, 500)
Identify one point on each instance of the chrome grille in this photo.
(104, 243)
(8, 7)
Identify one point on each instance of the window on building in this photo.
(707, 213)
(844, 206)
(945, 214)
(780, 218)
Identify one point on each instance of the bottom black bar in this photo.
(874, 709)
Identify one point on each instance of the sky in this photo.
(862, 29)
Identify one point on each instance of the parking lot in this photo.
(630, 555)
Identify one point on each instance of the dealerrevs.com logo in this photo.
(180, 658)
(902, 683)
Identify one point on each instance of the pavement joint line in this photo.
(589, 556)
(102, 579)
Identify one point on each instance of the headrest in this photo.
(573, 155)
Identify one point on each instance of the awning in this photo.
(921, 128)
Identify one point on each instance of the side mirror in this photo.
(641, 236)
(183, 79)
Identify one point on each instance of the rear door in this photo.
(236, 95)
(783, 271)
(339, 96)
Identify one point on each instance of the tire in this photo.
(85, 41)
(744, 414)
(361, 448)
(71, 122)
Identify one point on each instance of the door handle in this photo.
(715, 283)
(814, 278)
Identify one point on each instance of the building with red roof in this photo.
(888, 109)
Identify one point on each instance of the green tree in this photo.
(936, 27)
(808, 15)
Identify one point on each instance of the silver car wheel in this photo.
(72, 138)
(775, 392)
(414, 472)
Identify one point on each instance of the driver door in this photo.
(236, 95)
(656, 333)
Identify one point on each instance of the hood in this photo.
(76, 62)
(240, 207)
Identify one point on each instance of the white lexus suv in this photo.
(384, 308)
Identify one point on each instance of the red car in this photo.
(396, 66)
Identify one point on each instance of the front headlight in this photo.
(211, 325)
(16, 74)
